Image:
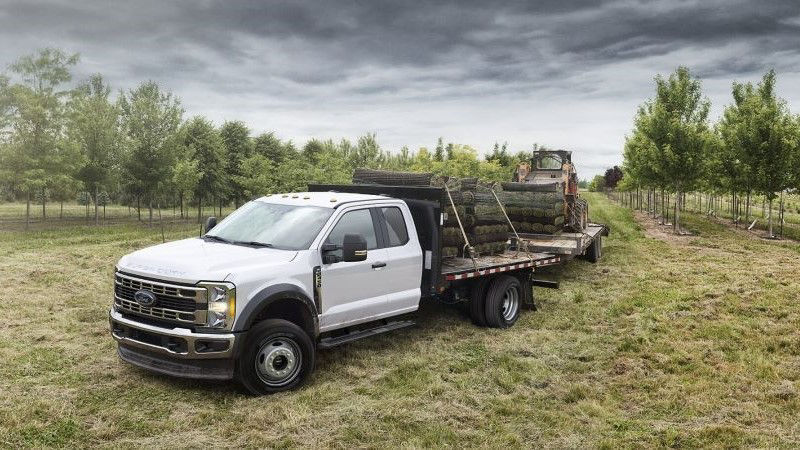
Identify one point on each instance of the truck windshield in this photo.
(265, 224)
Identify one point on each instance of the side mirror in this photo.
(211, 222)
(354, 248)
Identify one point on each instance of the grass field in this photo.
(668, 341)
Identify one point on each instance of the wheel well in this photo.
(289, 309)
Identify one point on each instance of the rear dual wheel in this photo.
(503, 301)
(496, 302)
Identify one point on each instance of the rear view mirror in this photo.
(211, 222)
(354, 248)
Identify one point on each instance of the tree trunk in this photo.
(181, 200)
(675, 226)
(61, 210)
(44, 204)
(769, 220)
(747, 209)
(104, 212)
(199, 208)
(780, 215)
(96, 209)
(27, 210)
(150, 208)
(139, 208)
(161, 222)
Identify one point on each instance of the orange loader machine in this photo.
(554, 167)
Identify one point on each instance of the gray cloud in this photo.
(562, 73)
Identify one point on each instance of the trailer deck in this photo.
(565, 243)
(542, 250)
(461, 268)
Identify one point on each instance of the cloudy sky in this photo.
(562, 73)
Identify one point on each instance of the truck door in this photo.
(403, 271)
(354, 291)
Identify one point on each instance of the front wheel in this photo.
(277, 356)
(503, 302)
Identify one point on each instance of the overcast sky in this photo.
(561, 73)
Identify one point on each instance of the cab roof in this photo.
(320, 199)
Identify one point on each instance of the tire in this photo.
(477, 301)
(289, 349)
(503, 302)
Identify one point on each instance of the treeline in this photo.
(674, 149)
(61, 143)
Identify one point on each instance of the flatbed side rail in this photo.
(541, 261)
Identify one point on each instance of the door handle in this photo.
(378, 265)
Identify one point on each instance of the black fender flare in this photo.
(269, 295)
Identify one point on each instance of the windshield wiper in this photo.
(217, 238)
(253, 243)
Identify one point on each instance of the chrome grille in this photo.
(184, 304)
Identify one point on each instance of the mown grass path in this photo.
(674, 342)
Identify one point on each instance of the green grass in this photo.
(691, 341)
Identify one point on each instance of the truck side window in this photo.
(357, 222)
(396, 226)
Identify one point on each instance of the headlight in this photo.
(221, 304)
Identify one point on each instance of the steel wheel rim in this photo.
(278, 361)
(510, 304)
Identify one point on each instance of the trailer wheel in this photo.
(503, 302)
(477, 301)
(595, 251)
(277, 356)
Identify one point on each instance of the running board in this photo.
(329, 342)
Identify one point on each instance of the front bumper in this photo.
(176, 351)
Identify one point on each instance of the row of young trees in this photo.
(753, 149)
(60, 142)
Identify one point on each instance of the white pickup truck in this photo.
(258, 294)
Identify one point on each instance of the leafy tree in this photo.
(449, 150)
(238, 147)
(150, 118)
(676, 123)
(269, 146)
(207, 149)
(500, 154)
(312, 150)
(366, 152)
(771, 135)
(439, 153)
(186, 175)
(94, 127)
(32, 114)
(598, 183)
(612, 176)
(257, 177)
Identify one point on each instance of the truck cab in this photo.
(251, 297)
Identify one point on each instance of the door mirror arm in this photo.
(327, 257)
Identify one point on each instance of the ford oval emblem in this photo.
(144, 298)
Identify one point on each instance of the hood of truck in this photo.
(192, 260)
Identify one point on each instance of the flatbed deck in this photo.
(461, 268)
